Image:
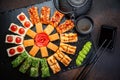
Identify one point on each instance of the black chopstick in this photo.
(94, 60)
(97, 58)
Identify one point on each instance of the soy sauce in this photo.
(84, 25)
(107, 33)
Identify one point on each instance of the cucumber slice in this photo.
(87, 49)
(88, 43)
(80, 58)
(80, 52)
(88, 46)
(78, 63)
(84, 51)
(83, 56)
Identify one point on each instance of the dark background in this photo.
(102, 12)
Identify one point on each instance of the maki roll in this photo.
(19, 59)
(24, 20)
(45, 68)
(34, 70)
(25, 66)
(17, 29)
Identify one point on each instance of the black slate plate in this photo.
(5, 62)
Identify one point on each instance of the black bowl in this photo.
(84, 25)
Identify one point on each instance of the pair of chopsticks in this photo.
(87, 68)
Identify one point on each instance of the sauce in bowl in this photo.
(84, 25)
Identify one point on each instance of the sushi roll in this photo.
(55, 68)
(34, 16)
(64, 27)
(24, 20)
(53, 64)
(35, 62)
(59, 55)
(51, 60)
(45, 15)
(56, 18)
(26, 64)
(34, 70)
(66, 60)
(45, 72)
(15, 39)
(45, 68)
(15, 50)
(68, 37)
(10, 39)
(67, 48)
(19, 59)
(17, 29)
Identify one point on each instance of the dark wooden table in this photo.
(102, 12)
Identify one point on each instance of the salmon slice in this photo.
(54, 37)
(34, 50)
(31, 33)
(29, 42)
(44, 52)
(52, 46)
(39, 28)
(49, 29)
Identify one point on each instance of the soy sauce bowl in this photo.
(84, 25)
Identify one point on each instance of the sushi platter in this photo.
(39, 41)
